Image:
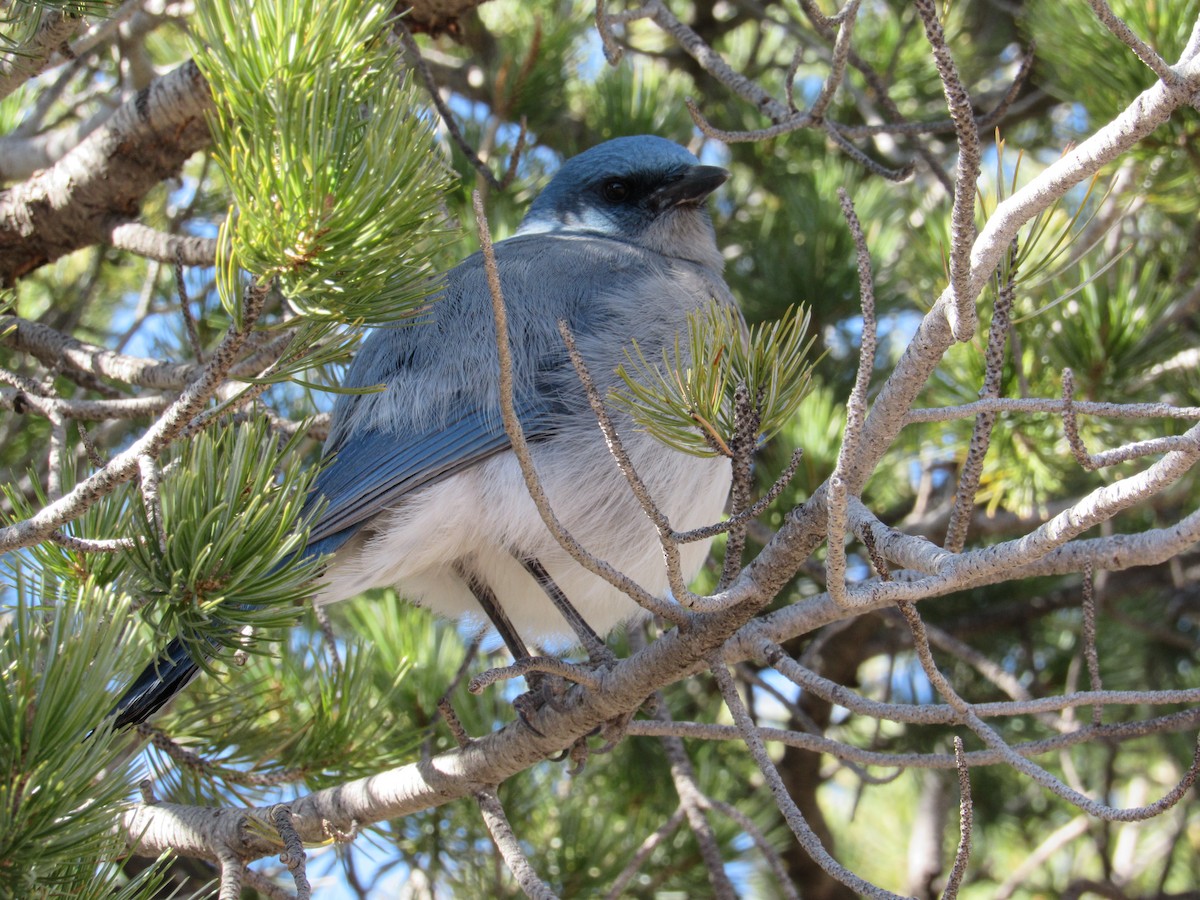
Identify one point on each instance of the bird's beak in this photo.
(696, 183)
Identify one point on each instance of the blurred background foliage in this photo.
(1118, 306)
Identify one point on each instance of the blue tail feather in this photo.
(159, 682)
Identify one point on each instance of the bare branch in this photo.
(1089, 639)
(231, 875)
(995, 742)
(510, 848)
(548, 665)
(791, 812)
(1052, 405)
(966, 816)
(124, 466)
(413, 52)
(1124, 33)
(751, 512)
(972, 468)
(856, 412)
(72, 204)
(712, 62)
(638, 859)
(293, 853)
(148, 470)
(693, 803)
(641, 492)
(86, 545)
(162, 246)
(899, 762)
(962, 226)
(19, 64)
(520, 446)
(837, 66)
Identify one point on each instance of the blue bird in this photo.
(422, 489)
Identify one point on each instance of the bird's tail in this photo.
(165, 677)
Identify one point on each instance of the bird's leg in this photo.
(539, 684)
(597, 650)
(486, 598)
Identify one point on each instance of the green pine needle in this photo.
(60, 789)
(330, 153)
(232, 530)
(687, 401)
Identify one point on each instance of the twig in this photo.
(520, 447)
(413, 52)
(548, 665)
(1053, 406)
(125, 465)
(935, 714)
(185, 307)
(898, 174)
(89, 545)
(750, 513)
(837, 66)
(972, 468)
(856, 413)
(787, 806)
(789, 80)
(966, 816)
(105, 29)
(510, 848)
(95, 457)
(643, 853)
(148, 470)
(693, 802)
(293, 853)
(1124, 33)
(321, 614)
(848, 754)
(783, 880)
(1100, 505)
(1045, 851)
(742, 445)
(162, 246)
(994, 673)
(962, 217)
(994, 741)
(711, 62)
(1093, 461)
(56, 456)
(199, 765)
(453, 722)
(641, 492)
(1089, 639)
(613, 51)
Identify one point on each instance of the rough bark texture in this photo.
(73, 204)
(435, 16)
(801, 770)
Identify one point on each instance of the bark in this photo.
(435, 16)
(74, 203)
(801, 769)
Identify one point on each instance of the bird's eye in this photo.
(615, 191)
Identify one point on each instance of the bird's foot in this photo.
(548, 679)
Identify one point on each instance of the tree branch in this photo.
(72, 204)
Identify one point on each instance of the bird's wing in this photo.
(373, 470)
(374, 467)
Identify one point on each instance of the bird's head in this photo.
(645, 190)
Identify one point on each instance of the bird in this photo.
(421, 488)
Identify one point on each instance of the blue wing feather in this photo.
(381, 468)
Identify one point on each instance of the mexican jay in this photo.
(422, 488)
